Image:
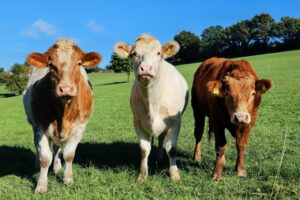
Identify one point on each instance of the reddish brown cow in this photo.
(228, 92)
(58, 102)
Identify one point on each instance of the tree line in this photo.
(261, 34)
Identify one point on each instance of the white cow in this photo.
(158, 98)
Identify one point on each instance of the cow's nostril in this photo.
(142, 69)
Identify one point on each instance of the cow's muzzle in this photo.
(241, 118)
(64, 90)
(145, 72)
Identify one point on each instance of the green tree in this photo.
(213, 41)
(2, 75)
(17, 81)
(289, 30)
(189, 47)
(240, 34)
(119, 65)
(263, 26)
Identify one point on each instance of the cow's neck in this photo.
(151, 93)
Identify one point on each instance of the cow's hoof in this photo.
(175, 177)
(41, 188)
(56, 168)
(217, 177)
(174, 174)
(68, 180)
(241, 173)
(141, 178)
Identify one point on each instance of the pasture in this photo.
(107, 159)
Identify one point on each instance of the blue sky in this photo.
(33, 26)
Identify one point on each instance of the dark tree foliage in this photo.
(2, 75)
(239, 34)
(261, 34)
(16, 81)
(189, 47)
(289, 31)
(119, 65)
(262, 29)
(213, 41)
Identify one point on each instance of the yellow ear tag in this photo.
(216, 91)
(169, 52)
(86, 63)
(126, 53)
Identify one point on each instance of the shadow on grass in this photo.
(17, 161)
(107, 155)
(5, 95)
(113, 83)
(118, 155)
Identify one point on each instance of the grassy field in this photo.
(107, 160)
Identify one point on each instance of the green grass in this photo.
(107, 160)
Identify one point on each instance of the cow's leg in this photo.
(45, 159)
(198, 133)
(69, 152)
(145, 146)
(161, 140)
(171, 149)
(220, 147)
(241, 142)
(57, 161)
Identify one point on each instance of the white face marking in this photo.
(64, 55)
(64, 51)
(147, 54)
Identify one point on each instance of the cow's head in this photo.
(146, 54)
(64, 60)
(241, 96)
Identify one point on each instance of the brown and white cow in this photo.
(58, 102)
(228, 92)
(158, 98)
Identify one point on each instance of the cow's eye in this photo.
(133, 54)
(79, 63)
(158, 53)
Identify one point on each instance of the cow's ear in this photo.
(91, 59)
(215, 88)
(263, 85)
(38, 60)
(170, 49)
(122, 49)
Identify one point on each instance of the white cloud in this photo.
(92, 24)
(44, 27)
(40, 27)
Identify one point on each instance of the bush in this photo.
(16, 81)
